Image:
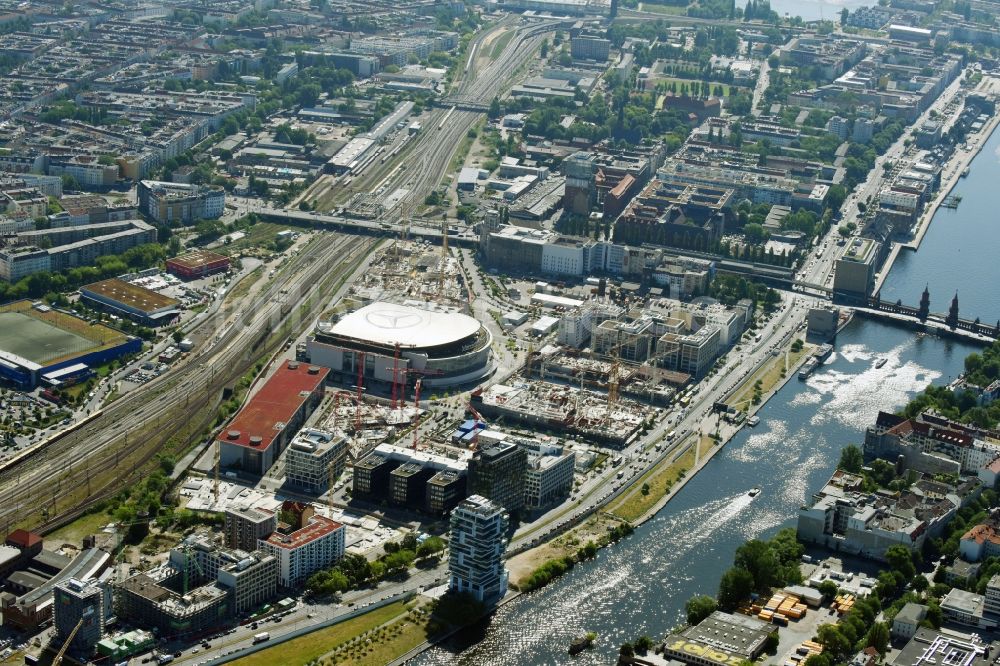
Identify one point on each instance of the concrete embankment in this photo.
(956, 166)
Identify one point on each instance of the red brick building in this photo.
(197, 264)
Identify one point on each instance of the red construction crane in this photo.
(416, 396)
(475, 428)
(416, 411)
(361, 387)
(396, 394)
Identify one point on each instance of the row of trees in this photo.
(980, 370)
(354, 571)
(44, 283)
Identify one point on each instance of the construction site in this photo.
(409, 270)
(643, 383)
(604, 419)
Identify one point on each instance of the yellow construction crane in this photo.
(62, 651)
(444, 258)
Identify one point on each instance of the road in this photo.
(306, 614)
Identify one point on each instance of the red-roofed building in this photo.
(932, 444)
(982, 540)
(197, 264)
(310, 543)
(25, 540)
(266, 424)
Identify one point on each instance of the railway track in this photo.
(63, 478)
(71, 473)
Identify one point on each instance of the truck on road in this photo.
(261, 637)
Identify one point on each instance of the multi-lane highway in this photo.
(110, 451)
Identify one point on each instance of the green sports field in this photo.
(39, 341)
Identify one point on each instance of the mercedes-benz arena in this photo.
(445, 348)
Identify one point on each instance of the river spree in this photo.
(639, 586)
(815, 10)
(959, 251)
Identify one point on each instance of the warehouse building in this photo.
(266, 424)
(139, 304)
(720, 638)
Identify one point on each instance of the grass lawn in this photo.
(242, 287)
(259, 234)
(501, 44)
(664, 9)
(83, 526)
(769, 374)
(634, 504)
(304, 649)
(75, 391)
(395, 640)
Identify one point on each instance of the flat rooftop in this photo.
(130, 295)
(860, 250)
(263, 418)
(929, 647)
(409, 327)
(197, 259)
(319, 526)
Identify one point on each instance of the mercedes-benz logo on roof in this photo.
(393, 320)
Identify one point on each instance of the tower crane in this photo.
(65, 646)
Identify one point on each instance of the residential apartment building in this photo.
(693, 353)
(86, 170)
(590, 46)
(314, 458)
(907, 621)
(20, 260)
(577, 326)
(167, 203)
(245, 526)
(845, 518)
(476, 549)
(250, 576)
(932, 444)
(309, 543)
(981, 541)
